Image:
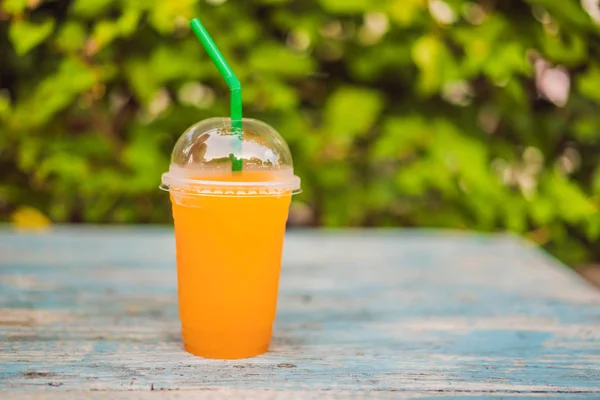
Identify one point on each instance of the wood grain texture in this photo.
(92, 313)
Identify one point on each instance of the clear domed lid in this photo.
(201, 161)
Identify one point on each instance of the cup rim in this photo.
(201, 187)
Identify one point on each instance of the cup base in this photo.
(227, 345)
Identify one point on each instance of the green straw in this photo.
(234, 86)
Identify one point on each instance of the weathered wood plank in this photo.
(257, 394)
(423, 313)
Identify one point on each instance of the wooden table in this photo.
(92, 313)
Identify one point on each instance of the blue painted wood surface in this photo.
(92, 313)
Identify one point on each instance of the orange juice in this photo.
(228, 264)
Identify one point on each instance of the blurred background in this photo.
(456, 114)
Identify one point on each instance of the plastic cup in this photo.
(229, 231)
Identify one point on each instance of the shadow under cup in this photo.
(228, 266)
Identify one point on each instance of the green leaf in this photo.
(416, 179)
(587, 129)
(146, 76)
(141, 80)
(64, 166)
(14, 6)
(334, 175)
(485, 211)
(25, 35)
(405, 12)
(593, 228)
(402, 137)
(188, 65)
(29, 154)
(128, 22)
(108, 30)
(570, 201)
(278, 2)
(71, 36)
(377, 62)
(515, 91)
(515, 216)
(570, 13)
(596, 181)
(589, 83)
(567, 49)
(509, 59)
(542, 210)
(346, 6)
(351, 111)
(91, 8)
(467, 156)
(104, 33)
(275, 59)
(53, 94)
(427, 54)
(435, 62)
(5, 104)
(144, 156)
(270, 94)
(479, 42)
(163, 14)
(570, 250)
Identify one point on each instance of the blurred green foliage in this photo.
(459, 114)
